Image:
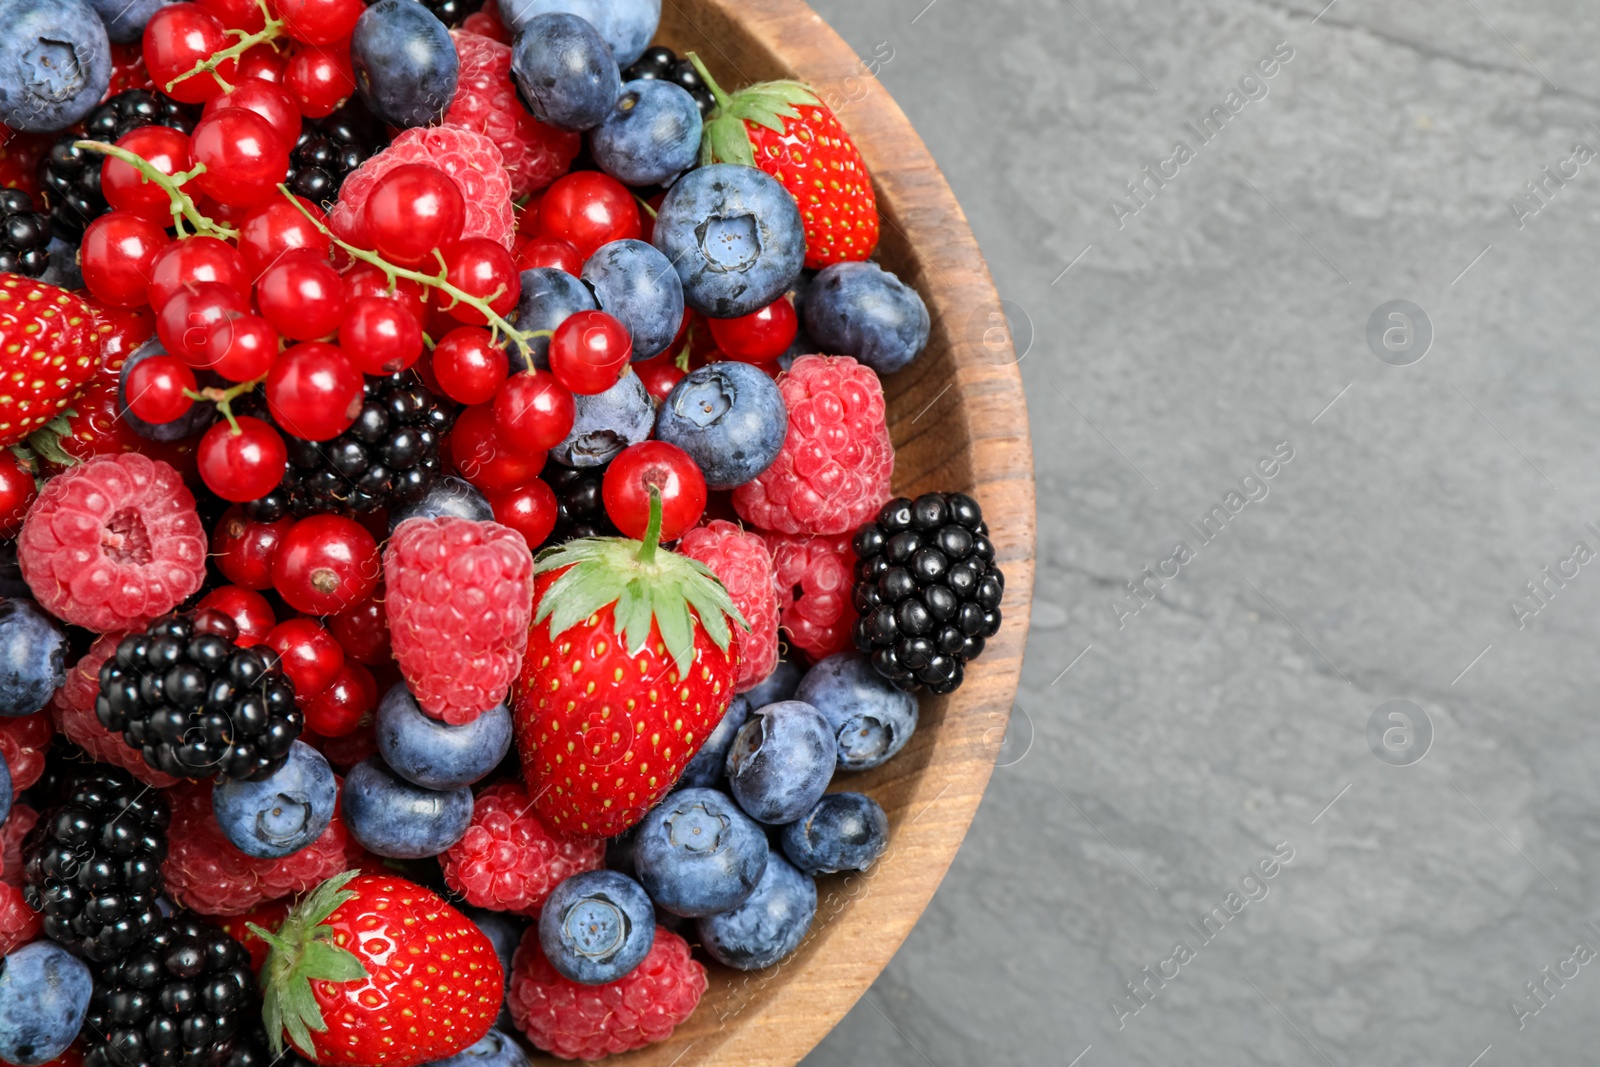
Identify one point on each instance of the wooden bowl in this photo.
(959, 423)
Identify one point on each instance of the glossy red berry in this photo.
(125, 189)
(338, 710)
(469, 365)
(243, 465)
(481, 268)
(239, 15)
(482, 459)
(184, 323)
(759, 337)
(157, 389)
(549, 252)
(276, 227)
(379, 335)
(319, 79)
(243, 548)
(242, 347)
(659, 374)
(532, 412)
(179, 36)
(319, 21)
(271, 101)
(194, 260)
(314, 391)
(244, 155)
(311, 657)
(588, 209)
(116, 254)
(530, 509)
(364, 279)
(326, 564)
(363, 630)
(262, 63)
(668, 469)
(589, 351)
(251, 614)
(412, 210)
(301, 295)
(17, 491)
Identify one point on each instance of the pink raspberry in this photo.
(587, 1022)
(508, 860)
(741, 560)
(816, 583)
(23, 742)
(19, 923)
(471, 159)
(72, 710)
(112, 543)
(486, 22)
(206, 873)
(21, 820)
(534, 154)
(460, 601)
(832, 473)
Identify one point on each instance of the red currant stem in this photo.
(172, 184)
(652, 530)
(497, 324)
(717, 93)
(224, 398)
(645, 204)
(267, 34)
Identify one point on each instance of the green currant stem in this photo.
(652, 531)
(521, 338)
(224, 399)
(645, 204)
(268, 33)
(172, 184)
(717, 93)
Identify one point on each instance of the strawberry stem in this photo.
(717, 93)
(172, 184)
(652, 530)
(272, 30)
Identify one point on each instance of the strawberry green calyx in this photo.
(301, 952)
(645, 583)
(726, 139)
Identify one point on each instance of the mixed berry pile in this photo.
(447, 552)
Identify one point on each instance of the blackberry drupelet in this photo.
(328, 150)
(927, 590)
(452, 12)
(388, 456)
(580, 510)
(71, 176)
(663, 63)
(24, 235)
(196, 704)
(92, 866)
(183, 997)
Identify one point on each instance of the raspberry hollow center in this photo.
(125, 540)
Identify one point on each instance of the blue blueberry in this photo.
(549, 296)
(504, 932)
(434, 754)
(634, 284)
(5, 790)
(698, 854)
(871, 719)
(44, 996)
(55, 63)
(651, 136)
(191, 422)
(566, 71)
(398, 820)
(729, 417)
(448, 496)
(494, 1049)
(842, 832)
(280, 814)
(779, 685)
(770, 923)
(861, 310)
(597, 926)
(124, 20)
(626, 25)
(705, 769)
(735, 236)
(781, 761)
(606, 423)
(33, 650)
(405, 63)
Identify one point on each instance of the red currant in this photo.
(179, 36)
(319, 21)
(314, 391)
(363, 630)
(530, 509)
(184, 323)
(759, 337)
(17, 491)
(157, 389)
(482, 459)
(251, 614)
(364, 279)
(192, 261)
(659, 374)
(116, 255)
(532, 413)
(482, 268)
(262, 62)
(301, 295)
(413, 209)
(272, 102)
(589, 352)
(243, 154)
(243, 548)
(549, 252)
(588, 209)
(326, 564)
(237, 14)
(245, 465)
(666, 468)
(319, 79)
(125, 189)
(276, 227)
(469, 365)
(379, 335)
(338, 710)
(242, 347)
(311, 657)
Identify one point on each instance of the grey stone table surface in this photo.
(1207, 792)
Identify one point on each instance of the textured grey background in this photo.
(1226, 716)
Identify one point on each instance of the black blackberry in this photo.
(452, 12)
(184, 997)
(92, 866)
(24, 235)
(927, 589)
(328, 150)
(388, 456)
(71, 176)
(580, 510)
(663, 63)
(196, 704)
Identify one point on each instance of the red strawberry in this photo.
(630, 666)
(49, 346)
(374, 971)
(785, 130)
